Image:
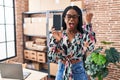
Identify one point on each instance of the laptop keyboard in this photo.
(26, 74)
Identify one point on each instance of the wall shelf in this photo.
(31, 38)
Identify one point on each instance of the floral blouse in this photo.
(79, 45)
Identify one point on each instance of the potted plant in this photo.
(96, 63)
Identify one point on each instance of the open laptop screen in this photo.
(12, 71)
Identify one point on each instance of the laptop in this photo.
(13, 71)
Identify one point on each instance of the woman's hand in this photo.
(88, 18)
(57, 34)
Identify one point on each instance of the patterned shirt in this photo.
(80, 44)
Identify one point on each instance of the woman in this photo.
(70, 45)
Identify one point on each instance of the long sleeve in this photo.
(88, 38)
(54, 50)
(63, 49)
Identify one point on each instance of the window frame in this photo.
(14, 28)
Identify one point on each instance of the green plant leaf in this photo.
(105, 42)
(96, 63)
(98, 50)
(99, 59)
(105, 72)
(112, 55)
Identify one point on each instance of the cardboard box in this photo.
(36, 65)
(29, 44)
(30, 55)
(28, 29)
(27, 20)
(41, 48)
(33, 56)
(45, 66)
(41, 57)
(37, 29)
(38, 20)
(26, 54)
(43, 5)
(40, 41)
(53, 69)
(77, 3)
(33, 65)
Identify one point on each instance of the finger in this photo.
(53, 30)
(60, 34)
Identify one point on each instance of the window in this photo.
(7, 30)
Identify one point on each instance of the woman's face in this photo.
(71, 19)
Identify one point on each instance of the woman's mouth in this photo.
(71, 25)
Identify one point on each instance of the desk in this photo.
(35, 75)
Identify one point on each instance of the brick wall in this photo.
(106, 21)
(20, 6)
(106, 24)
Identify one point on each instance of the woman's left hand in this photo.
(88, 18)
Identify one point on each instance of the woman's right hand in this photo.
(57, 34)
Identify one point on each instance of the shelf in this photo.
(29, 34)
(41, 36)
(44, 70)
(44, 12)
(35, 50)
(55, 11)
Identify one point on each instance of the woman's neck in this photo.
(71, 31)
